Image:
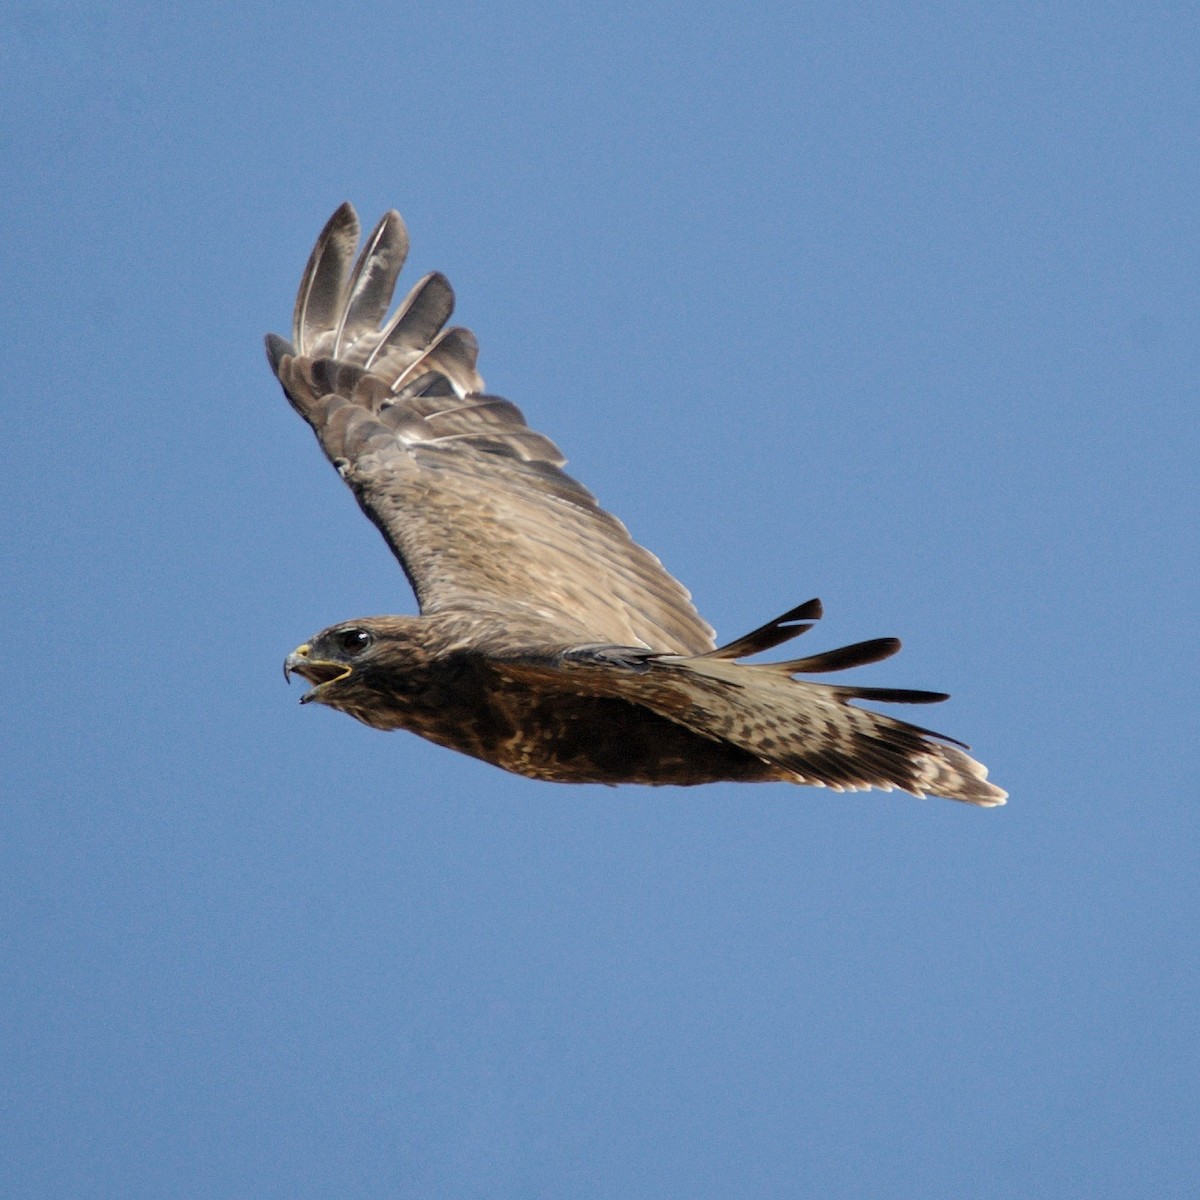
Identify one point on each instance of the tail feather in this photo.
(811, 731)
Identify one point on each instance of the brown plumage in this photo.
(549, 643)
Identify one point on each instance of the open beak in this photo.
(317, 671)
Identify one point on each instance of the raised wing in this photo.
(471, 500)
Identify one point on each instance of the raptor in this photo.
(549, 643)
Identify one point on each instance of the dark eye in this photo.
(353, 641)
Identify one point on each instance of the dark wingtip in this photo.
(766, 637)
(858, 655)
(442, 283)
(344, 213)
(323, 283)
(277, 348)
(898, 695)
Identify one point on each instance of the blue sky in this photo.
(891, 304)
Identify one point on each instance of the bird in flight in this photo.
(549, 643)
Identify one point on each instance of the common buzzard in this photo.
(549, 642)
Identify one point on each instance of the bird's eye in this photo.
(354, 641)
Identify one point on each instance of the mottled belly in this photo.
(585, 739)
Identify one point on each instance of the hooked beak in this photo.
(295, 660)
(319, 672)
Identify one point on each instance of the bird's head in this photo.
(353, 666)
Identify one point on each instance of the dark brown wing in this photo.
(471, 500)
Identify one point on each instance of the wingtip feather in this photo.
(781, 629)
(370, 287)
(325, 276)
(277, 349)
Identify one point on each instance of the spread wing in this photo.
(471, 500)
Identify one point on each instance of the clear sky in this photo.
(893, 304)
